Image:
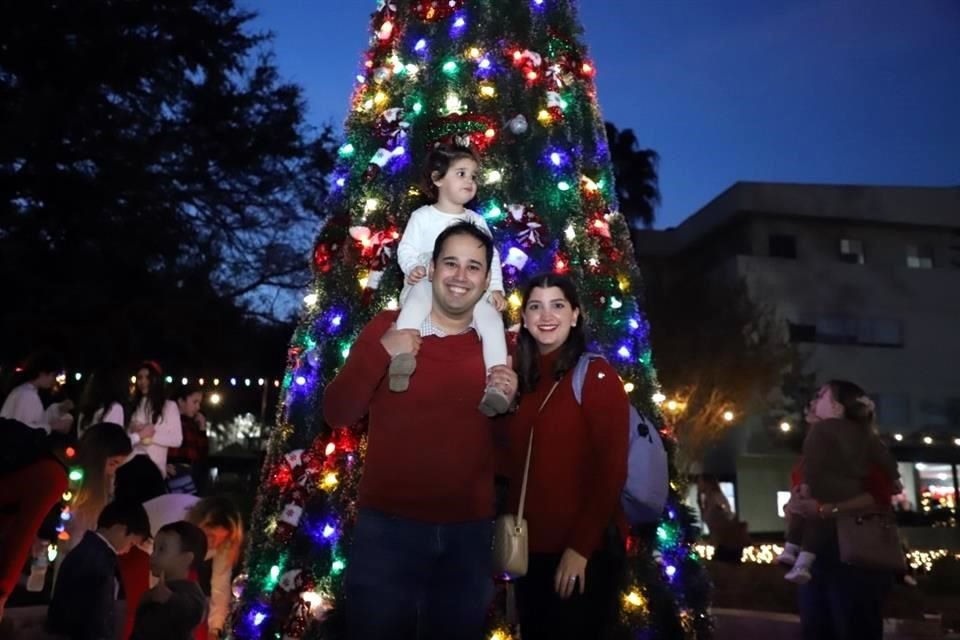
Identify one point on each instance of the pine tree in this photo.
(513, 80)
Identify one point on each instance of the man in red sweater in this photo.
(420, 566)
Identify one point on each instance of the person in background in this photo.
(100, 452)
(839, 452)
(187, 466)
(577, 471)
(842, 601)
(142, 477)
(103, 400)
(719, 517)
(33, 476)
(23, 403)
(82, 607)
(175, 606)
(220, 520)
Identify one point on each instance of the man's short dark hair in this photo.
(41, 362)
(464, 228)
(192, 540)
(128, 513)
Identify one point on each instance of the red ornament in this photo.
(561, 263)
(528, 62)
(433, 10)
(376, 248)
(465, 130)
(323, 257)
(386, 20)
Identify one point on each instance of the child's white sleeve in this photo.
(496, 270)
(410, 249)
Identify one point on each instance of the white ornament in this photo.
(373, 279)
(288, 581)
(518, 125)
(294, 458)
(381, 157)
(516, 258)
(291, 514)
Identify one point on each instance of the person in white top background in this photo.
(23, 403)
(103, 400)
(450, 179)
(154, 427)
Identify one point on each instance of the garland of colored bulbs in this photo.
(74, 482)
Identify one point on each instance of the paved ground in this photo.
(731, 624)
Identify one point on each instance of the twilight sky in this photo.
(841, 91)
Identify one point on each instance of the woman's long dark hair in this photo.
(526, 360)
(104, 389)
(156, 396)
(857, 407)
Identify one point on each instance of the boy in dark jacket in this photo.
(176, 606)
(83, 598)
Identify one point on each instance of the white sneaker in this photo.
(798, 575)
(788, 556)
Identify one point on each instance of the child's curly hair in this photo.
(439, 162)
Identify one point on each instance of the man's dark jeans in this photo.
(409, 580)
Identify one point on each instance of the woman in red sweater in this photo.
(577, 470)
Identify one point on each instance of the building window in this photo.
(919, 257)
(937, 493)
(868, 332)
(881, 332)
(783, 246)
(940, 413)
(893, 410)
(851, 251)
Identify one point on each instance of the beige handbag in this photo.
(870, 539)
(510, 531)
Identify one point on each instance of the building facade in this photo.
(866, 282)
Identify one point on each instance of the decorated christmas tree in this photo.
(512, 79)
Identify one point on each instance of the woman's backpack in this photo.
(645, 493)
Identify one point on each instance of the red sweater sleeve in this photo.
(347, 398)
(606, 409)
(879, 484)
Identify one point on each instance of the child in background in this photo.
(451, 180)
(840, 452)
(82, 607)
(176, 606)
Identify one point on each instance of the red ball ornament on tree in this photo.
(433, 10)
(322, 258)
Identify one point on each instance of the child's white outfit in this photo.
(416, 301)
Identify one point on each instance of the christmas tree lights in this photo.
(512, 80)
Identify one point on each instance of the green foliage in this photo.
(156, 176)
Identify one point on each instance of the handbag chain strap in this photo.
(526, 465)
